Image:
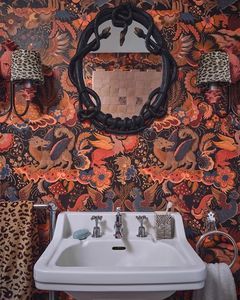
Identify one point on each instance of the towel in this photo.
(219, 284)
(18, 249)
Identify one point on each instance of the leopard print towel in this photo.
(18, 249)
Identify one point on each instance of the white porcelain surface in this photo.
(146, 269)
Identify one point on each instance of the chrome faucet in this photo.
(141, 230)
(96, 228)
(118, 224)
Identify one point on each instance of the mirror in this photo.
(117, 94)
(122, 81)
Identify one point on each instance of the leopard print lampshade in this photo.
(26, 65)
(214, 67)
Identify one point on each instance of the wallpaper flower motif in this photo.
(190, 157)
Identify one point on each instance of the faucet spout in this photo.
(118, 224)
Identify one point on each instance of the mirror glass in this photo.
(122, 76)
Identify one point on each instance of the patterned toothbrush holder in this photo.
(165, 224)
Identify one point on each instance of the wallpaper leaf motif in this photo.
(190, 157)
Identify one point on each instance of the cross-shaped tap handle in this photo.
(96, 218)
(141, 219)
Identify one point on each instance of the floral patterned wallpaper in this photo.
(191, 157)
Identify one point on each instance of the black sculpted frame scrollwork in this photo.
(89, 101)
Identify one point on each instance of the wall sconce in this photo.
(26, 69)
(213, 74)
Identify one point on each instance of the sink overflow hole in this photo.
(118, 248)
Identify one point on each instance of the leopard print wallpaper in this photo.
(191, 157)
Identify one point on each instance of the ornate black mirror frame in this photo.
(156, 104)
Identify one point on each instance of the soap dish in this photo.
(81, 234)
(165, 225)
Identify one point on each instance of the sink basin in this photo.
(135, 253)
(110, 268)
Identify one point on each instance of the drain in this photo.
(118, 248)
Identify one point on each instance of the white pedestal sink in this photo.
(109, 268)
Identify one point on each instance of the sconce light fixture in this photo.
(214, 74)
(26, 69)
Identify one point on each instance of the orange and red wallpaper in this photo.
(54, 157)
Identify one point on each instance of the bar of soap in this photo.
(81, 234)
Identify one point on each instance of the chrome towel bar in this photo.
(52, 207)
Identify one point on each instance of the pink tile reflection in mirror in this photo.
(123, 93)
